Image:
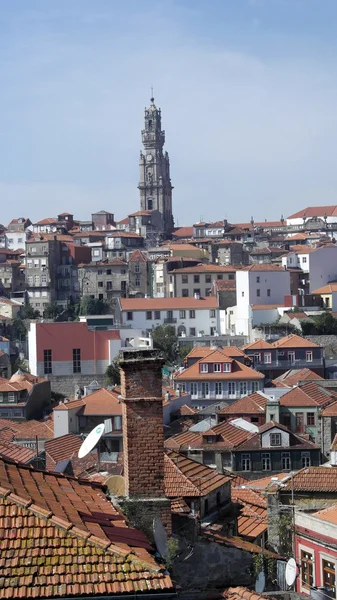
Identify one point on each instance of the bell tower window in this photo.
(150, 124)
(150, 204)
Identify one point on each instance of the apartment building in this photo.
(258, 285)
(190, 317)
(103, 280)
(199, 279)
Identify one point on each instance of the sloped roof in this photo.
(263, 267)
(16, 452)
(206, 268)
(326, 289)
(295, 341)
(327, 514)
(130, 304)
(248, 405)
(184, 477)
(226, 437)
(183, 232)
(76, 530)
(314, 479)
(252, 520)
(242, 593)
(295, 441)
(102, 402)
(315, 211)
(331, 410)
(258, 345)
(62, 447)
(138, 256)
(239, 371)
(293, 376)
(215, 356)
(202, 351)
(297, 397)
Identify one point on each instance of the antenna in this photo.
(291, 572)
(90, 442)
(260, 583)
(160, 537)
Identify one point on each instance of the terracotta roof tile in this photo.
(237, 542)
(258, 345)
(294, 341)
(225, 436)
(294, 376)
(207, 268)
(327, 514)
(102, 402)
(61, 448)
(314, 479)
(184, 477)
(202, 351)
(248, 405)
(295, 441)
(242, 593)
(326, 289)
(315, 211)
(130, 304)
(16, 452)
(239, 371)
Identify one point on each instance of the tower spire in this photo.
(152, 97)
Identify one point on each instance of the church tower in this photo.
(155, 182)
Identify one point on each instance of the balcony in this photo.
(287, 364)
(170, 320)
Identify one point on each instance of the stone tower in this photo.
(155, 183)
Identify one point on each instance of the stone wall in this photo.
(68, 384)
(213, 565)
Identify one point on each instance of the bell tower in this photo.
(155, 182)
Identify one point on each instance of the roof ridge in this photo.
(69, 527)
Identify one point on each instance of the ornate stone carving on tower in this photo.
(155, 183)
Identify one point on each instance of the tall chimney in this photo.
(143, 439)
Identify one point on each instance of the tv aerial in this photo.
(260, 583)
(291, 572)
(91, 441)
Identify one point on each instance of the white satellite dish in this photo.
(291, 572)
(260, 583)
(160, 537)
(91, 440)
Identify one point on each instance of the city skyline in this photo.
(247, 94)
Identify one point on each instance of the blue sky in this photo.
(247, 88)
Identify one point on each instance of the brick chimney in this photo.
(143, 439)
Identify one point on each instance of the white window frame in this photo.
(309, 356)
(267, 354)
(226, 367)
(303, 588)
(245, 460)
(217, 368)
(265, 460)
(203, 368)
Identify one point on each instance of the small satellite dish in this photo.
(116, 485)
(260, 583)
(291, 572)
(91, 440)
(160, 537)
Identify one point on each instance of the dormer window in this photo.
(217, 368)
(275, 439)
(204, 368)
(226, 367)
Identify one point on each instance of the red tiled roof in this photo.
(239, 371)
(183, 232)
(252, 520)
(258, 345)
(76, 530)
(179, 506)
(326, 289)
(314, 479)
(254, 442)
(315, 211)
(61, 448)
(185, 410)
(130, 304)
(15, 452)
(327, 514)
(248, 405)
(138, 256)
(184, 477)
(294, 376)
(202, 351)
(297, 397)
(242, 593)
(207, 268)
(224, 285)
(237, 542)
(331, 410)
(102, 402)
(295, 341)
(264, 482)
(263, 267)
(70, 404)
(225, 435)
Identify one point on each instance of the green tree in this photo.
(326, 324)
(93, 306)
(52, 310)
(28, 312)
(112, 374)
(165, 339)
(184, 351)
(19, 329)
